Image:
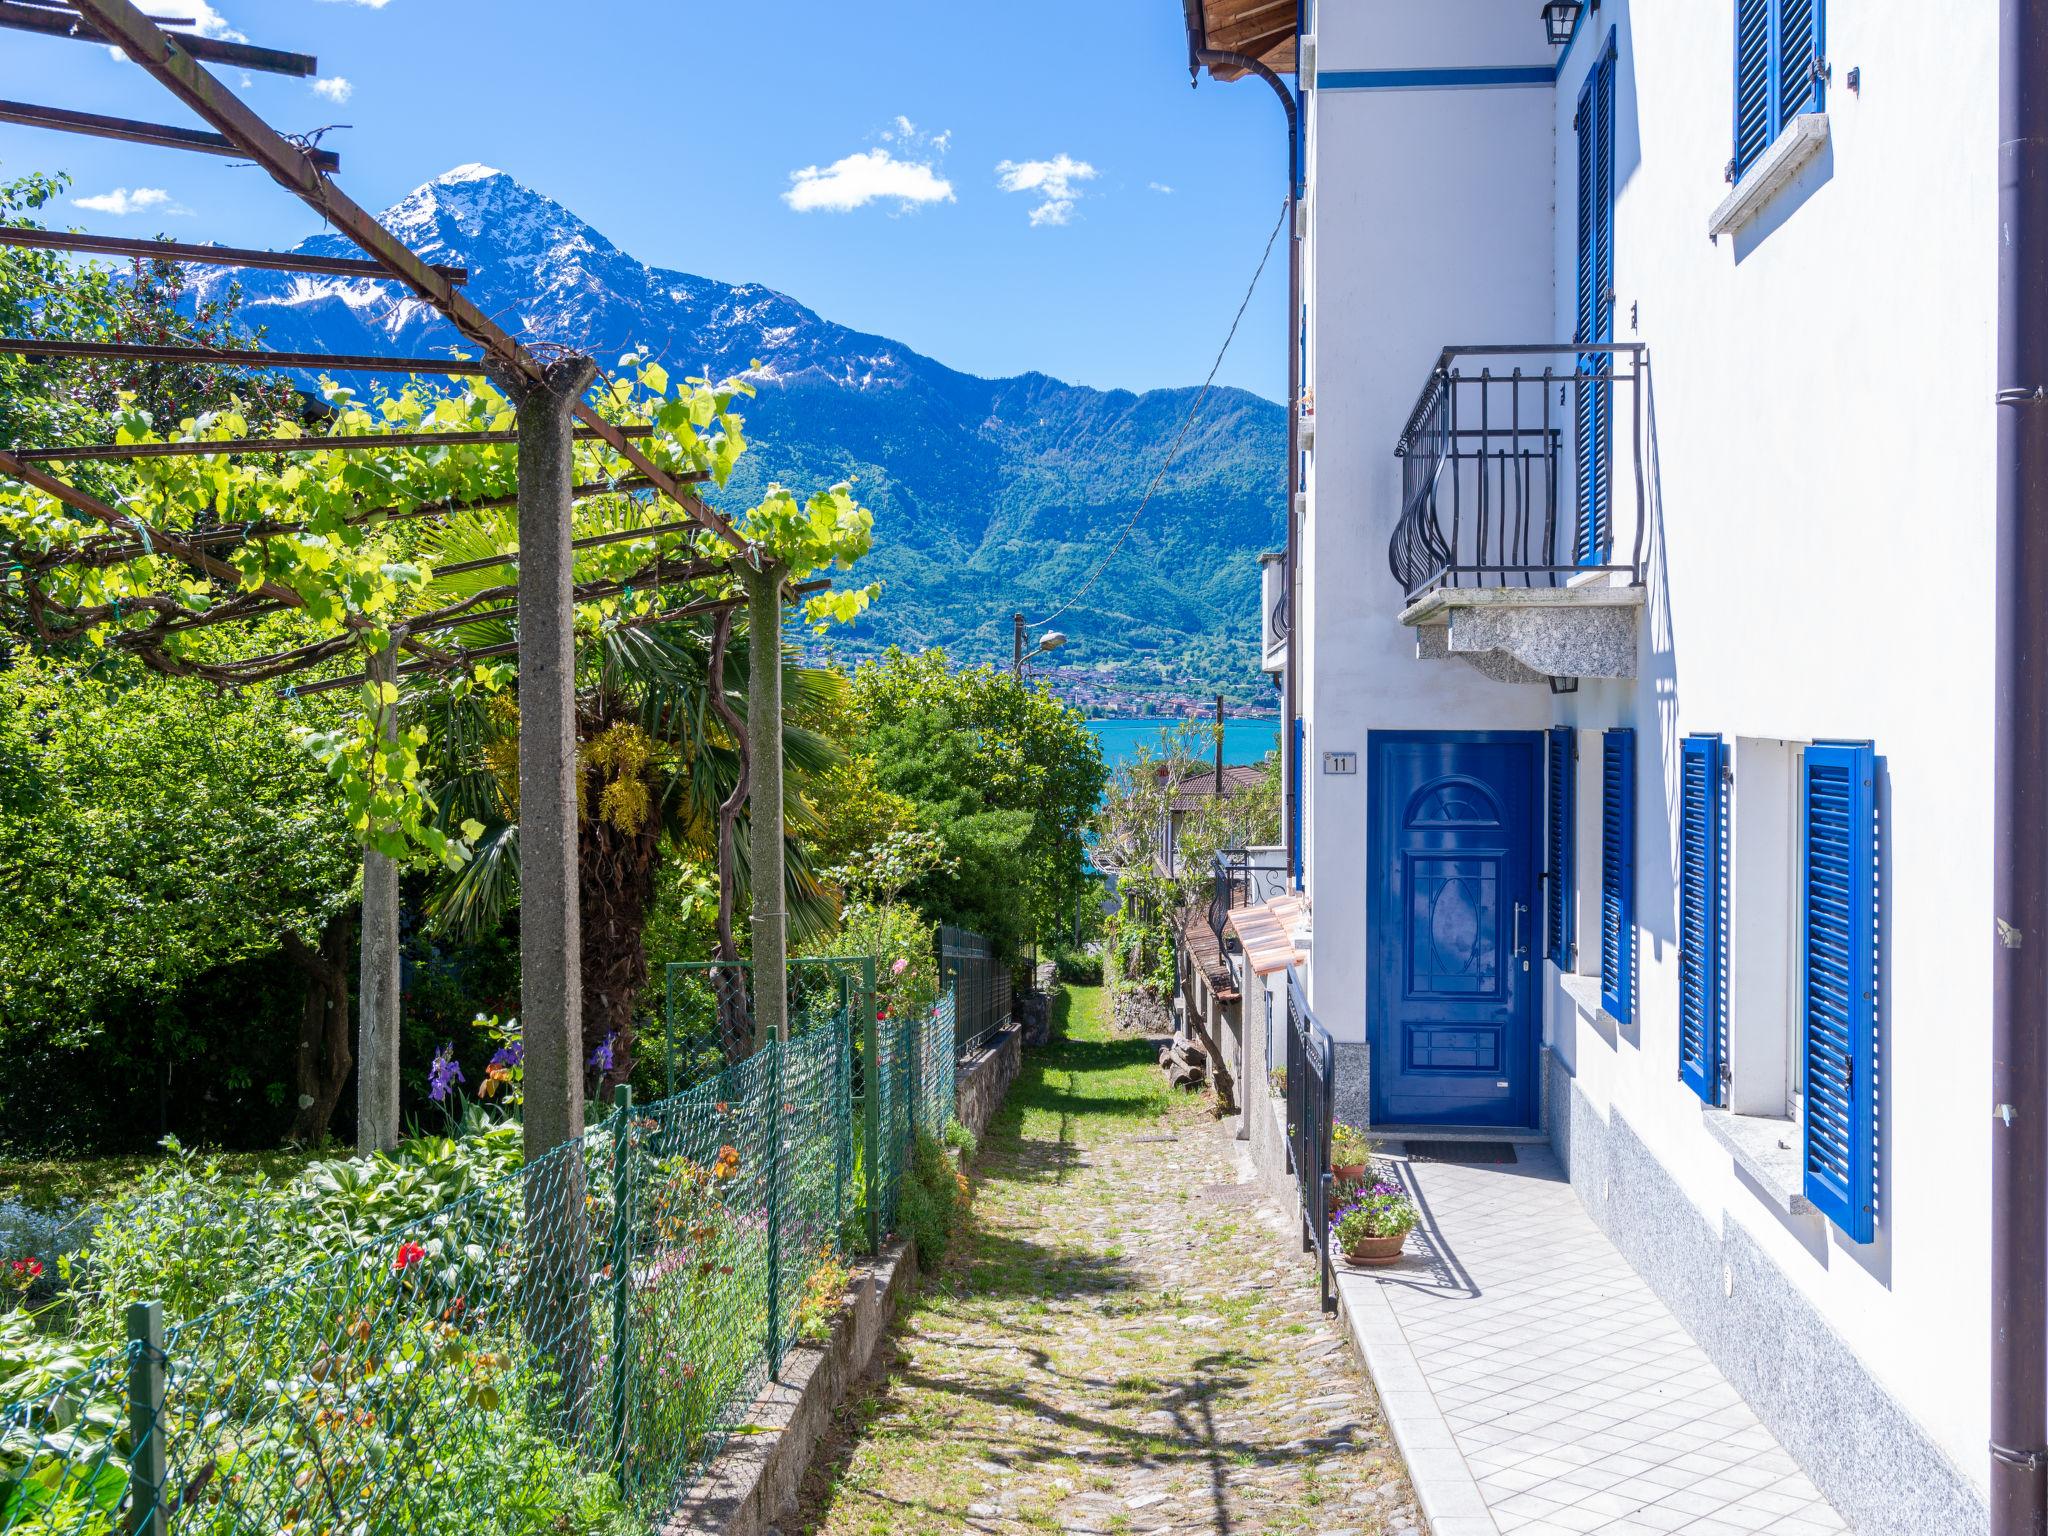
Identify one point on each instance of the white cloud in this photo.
(122, 202)
(874, 175)
(336, 88)
(1159, 186)
(1052, 180)
(206, 21)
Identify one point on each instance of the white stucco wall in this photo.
(1430, 225)
(1821, 443)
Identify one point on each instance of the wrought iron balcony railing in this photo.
(1508, 468)
(1244, 876)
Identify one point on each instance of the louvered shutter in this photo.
(1755, 117)
(1838, 941)
(1558, 930)
(1595, 311)
(1778, 54)
(1702, 916)
(1618, 873)
(1798, 59)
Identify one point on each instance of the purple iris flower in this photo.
(601, 1058)
(444, 1074)
(510, 1056)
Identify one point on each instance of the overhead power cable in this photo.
(1180, 437)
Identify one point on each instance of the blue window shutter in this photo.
(1294, 807)
(1755, 119)
(1563, 887)
(1838, 941)
(1779, 46)
(1595, 310)
(1798, 59)
(1618, 873)
(1702, 916)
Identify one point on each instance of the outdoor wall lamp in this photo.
(1559, 17)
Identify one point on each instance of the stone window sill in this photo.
(1766, 1151)
(1584, 991)
(1800, 140)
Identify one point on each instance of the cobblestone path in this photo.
(1127, 1340)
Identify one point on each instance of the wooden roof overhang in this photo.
(1258, 29)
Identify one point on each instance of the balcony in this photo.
(1273, 612)
(1511, 542)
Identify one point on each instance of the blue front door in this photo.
(1451, 998)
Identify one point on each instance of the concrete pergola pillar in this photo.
(377, 991)
(550, 934)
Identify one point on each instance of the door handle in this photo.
(1519, 952)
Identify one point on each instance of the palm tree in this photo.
(660, 755)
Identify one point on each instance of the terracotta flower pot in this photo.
(1343, 1171)
(1375, 1252)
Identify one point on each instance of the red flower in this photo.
(409, 1254)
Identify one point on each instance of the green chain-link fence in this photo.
(562, 1349)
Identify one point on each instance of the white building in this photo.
(1644, 655)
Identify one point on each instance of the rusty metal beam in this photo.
(139, 352)
(100, 553)
(132, 131)
(103, 452)
(510, 647)
(205, 255)
(169, 544)
(293, 168)
(68, 24)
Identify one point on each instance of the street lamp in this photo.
(1559, 17)
(1051, 640)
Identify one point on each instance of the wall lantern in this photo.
(1559, 17)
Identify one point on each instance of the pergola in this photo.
(547, 386)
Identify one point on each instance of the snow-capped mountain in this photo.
(989, 494)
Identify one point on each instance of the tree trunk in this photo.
(325, 1058)
(615, 889)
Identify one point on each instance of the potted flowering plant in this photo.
(1372, 1223)
(1350, 1151)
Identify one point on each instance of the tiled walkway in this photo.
(1537, 1386)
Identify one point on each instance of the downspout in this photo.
(2019, 828)
(1201, 56)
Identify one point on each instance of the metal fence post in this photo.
(148, 1466)
(778, 1050)
(913, 1030)
(622, 1271)
(871, 1122)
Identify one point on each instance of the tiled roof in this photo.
(1204, 951)
(1266, 931)
(1197, 787)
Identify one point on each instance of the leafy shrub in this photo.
(1078, 970)
(934, 1199)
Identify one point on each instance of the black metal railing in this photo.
(1241, 878)
(981, 987)
(1508, 469)
(1311, 1082)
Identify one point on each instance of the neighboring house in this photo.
(1642, 654)
(1190, 793)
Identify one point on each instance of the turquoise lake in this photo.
(1244, 741)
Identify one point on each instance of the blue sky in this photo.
(1009, 166)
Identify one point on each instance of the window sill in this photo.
(1585, 992)
(1789, 152)
(1766, 1152)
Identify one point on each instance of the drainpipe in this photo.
(1201, 56)
(2019, 833)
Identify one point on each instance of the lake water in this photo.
(1244, 741)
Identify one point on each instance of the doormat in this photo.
(1461, 1151)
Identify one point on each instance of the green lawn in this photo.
(1089, 1083)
